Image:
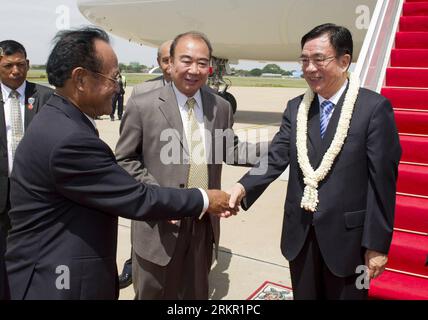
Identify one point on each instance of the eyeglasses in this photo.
(115, 80)
(318, 61)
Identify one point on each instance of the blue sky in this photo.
(34, 23)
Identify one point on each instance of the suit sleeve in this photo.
(237, 152)
(129, 152)
(383, 154)
(271, 165)
(84, 170)
(44, 93)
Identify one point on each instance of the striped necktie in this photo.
(326, 108)
(198, 171)
(16, 120)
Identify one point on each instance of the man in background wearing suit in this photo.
(125, 278)
(67, 190)
(158, 82)
(172, 259)
(118, 100)
(340, 216)
(20, 100)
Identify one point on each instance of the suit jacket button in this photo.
(181, 185)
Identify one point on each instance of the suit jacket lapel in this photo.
(209, 109)
(314, 141)
(30, 109)
(169, 109)
(332, 124)
(2, 123)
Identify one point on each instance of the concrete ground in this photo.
(249, 242)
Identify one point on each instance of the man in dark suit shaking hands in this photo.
(67, 190)
(342, 146)
(20, 100)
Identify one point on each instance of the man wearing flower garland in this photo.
(342, 146)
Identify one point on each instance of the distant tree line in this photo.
(136, 67)
(257, 72)
(132, 67)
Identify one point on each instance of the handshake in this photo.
(225, 204)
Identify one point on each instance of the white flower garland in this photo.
(313, 177)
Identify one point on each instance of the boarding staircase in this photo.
(403, 78)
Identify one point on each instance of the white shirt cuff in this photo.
(206, 202)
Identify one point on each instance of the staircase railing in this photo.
(372, 61)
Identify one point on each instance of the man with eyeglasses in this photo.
(342, 146)
(67, 189)
(20, 100)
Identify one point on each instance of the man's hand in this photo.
(376, 262)
(219, 204)
(236, 194)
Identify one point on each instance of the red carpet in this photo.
(414, 122)
(407, 98)
(415, 9)
(413, 179)
(406, 85)
(407, 77)
(414, 23)
(412, 147)
(397, 286)
(409, 58)
(411, 246)
(411, 213)
(409, 40)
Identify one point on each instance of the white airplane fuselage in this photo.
(263, 30)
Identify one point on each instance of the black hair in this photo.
(340, 38)
(193, 34)
(11, 47)
(72, 49)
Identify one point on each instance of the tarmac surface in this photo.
(249, 242)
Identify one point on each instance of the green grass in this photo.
(37, 75)
(134, 78)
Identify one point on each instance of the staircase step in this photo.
(395, 286)
(419, 23)
(411, 213)
(407, 77)
(415, 8)
(414, 150)
(407, 98)
(409, 58)
(413, 122)
(408, 253)
(413, 179)
(411, 40)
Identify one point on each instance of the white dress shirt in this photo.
(7, 117)
(184, 110)
(199, 114)
(335, 99)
